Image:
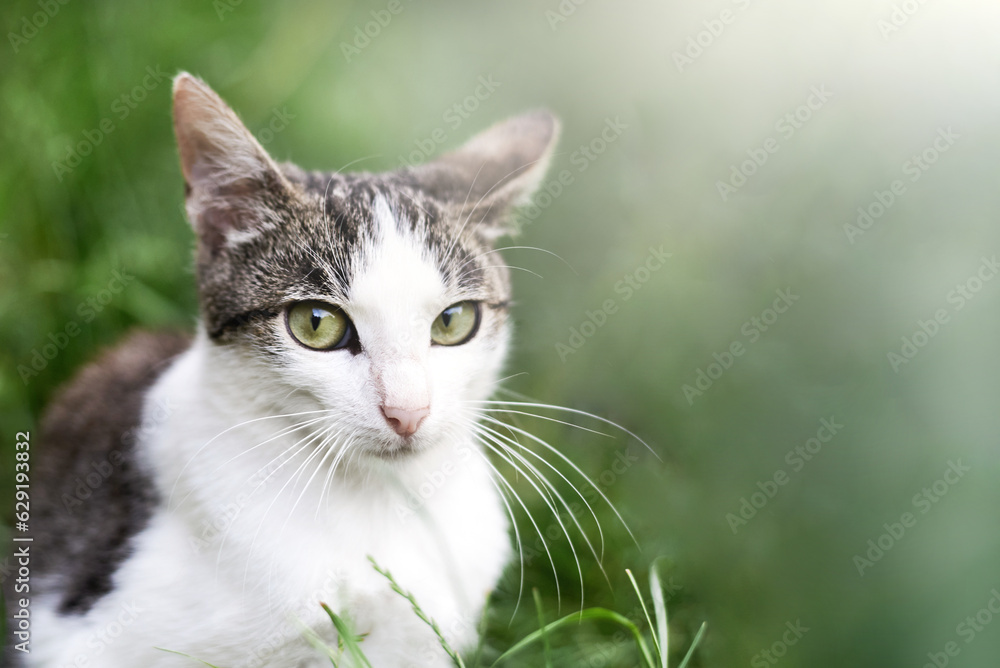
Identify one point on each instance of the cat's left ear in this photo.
(496, 170)
(231, 183)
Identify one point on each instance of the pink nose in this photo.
(404, 421)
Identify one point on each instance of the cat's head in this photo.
(376, 297)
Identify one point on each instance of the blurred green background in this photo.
(694, 91)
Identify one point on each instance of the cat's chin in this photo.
(398, 450)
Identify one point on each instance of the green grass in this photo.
(351, 645)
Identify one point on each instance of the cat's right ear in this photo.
(493, 172)
(229, 178)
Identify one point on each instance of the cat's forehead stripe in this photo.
(383, 219)
(396, 271)
(439, 241)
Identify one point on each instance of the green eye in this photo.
(456, 324)
(319, 326)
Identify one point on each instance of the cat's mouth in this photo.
(397, 449)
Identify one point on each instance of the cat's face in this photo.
(377, 298)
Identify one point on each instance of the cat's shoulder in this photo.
(93, 494)
(108, 392)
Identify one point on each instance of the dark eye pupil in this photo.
(316, 319)
(446, 318)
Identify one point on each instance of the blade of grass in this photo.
(346, 635)
(600, 614)
(694, 645)
(635, 586)
(313, 639)
(660, 609)
(188, 656)
(541, 627)
(320, 645)
(456, 659)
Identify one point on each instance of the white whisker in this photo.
(575, 468)
(600, 531)
(260, 525)
(499, 266)
(531, 519)
(500, 452)
(226, 431)
(517, 536)
(568, 410)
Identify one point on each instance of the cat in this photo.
(204, 493)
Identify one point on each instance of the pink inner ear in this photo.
(223, 207)
(235, 206)
(214, 223)
(199, 157)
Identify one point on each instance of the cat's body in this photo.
(182, 580)
(253, 472)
